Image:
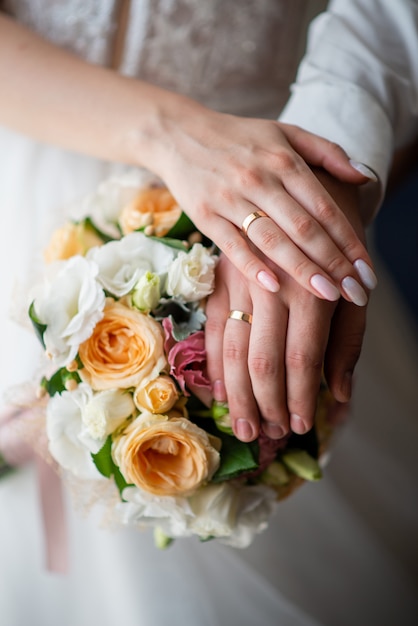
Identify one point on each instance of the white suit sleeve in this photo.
(358, 83)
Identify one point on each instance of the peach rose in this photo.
(156, 396)
(125, 347)
(165, 457)
(153, 207)
(70, 240)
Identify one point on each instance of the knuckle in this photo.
(205, 211)
(335, 147)
(262, 366)
(301, 361)
(249, 177)
(301, 268)
(269, 239)
(234, 352)
(284, 161)
(304, 226)
(233, 248)
(214, 325)
(337, 265)
(325, 210)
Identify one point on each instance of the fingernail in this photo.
(275, 431)
(346, 386)
(354, 291)
(297, 424)
(363, 169)
(243, 430)
(366, 273)
(268, 282)
(324, 287)
(219, 391)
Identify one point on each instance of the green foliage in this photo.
(237, 457)
(37, 324)
(182, 228)
(106, 466)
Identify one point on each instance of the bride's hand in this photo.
(223, 169)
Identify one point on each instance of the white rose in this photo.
(171, 514)
(232, 512)
(70, 303)
(256, 504)
(191, 276)
(122, 263)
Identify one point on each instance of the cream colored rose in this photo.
(156, 396)
(153, 207)
(125, 347)
(70, 240)
(165, 457)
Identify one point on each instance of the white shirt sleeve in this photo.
(358, 83)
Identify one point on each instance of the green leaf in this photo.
(182, 228)
(37, 324)
(56, 384)
(106, 466)
(88, 223)
(171, 243)
(237, 457)
(103, 459)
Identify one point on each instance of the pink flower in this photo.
(187, 360)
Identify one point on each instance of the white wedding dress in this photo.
(342, 552)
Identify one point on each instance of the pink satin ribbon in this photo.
(17, 452)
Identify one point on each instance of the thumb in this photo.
(344, 347)
(320, 152)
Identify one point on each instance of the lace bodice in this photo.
(231, 55)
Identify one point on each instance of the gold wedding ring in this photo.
(250, 219)
(240, 315)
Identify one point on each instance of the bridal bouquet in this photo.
(121, 314)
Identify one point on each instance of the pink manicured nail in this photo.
(363, 169)
(297, 424)
(354, 291)
(367, 275)
(324, 287)
(219, 391)
(243, 430)
(268, 282)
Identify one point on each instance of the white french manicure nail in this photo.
(354, 291)
(363, 169)
(324, 287)
(367, 275)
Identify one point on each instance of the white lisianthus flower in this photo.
(102, 414)
(140, 508)
(64, 425)
(232, 512)
(78, 423)
(70, 303)
(147, 292)
(191, 276)
(122, 263)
